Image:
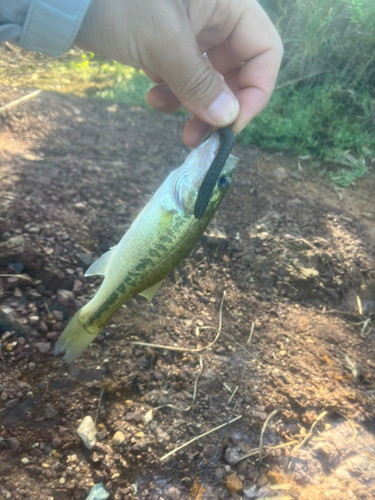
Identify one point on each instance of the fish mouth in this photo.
(213, 173)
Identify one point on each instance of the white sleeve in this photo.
(47, 26)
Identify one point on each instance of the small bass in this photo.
(162, 235)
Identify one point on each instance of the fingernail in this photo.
(224, 109)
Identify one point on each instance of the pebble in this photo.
(231, 455)
(15, 241)
(56, 442)
(250, 493)
(25, 460)
(50, 412)
(59, 315)
(13, 444)
(42, 327)
(77, 287)
(118, 438)
(53, 335)
(233, 484)
(98, 492)
(43, 347)
(109, 386)
(87, 432)
(65, 297)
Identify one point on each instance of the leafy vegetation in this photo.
(324, 105)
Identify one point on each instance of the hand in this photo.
(166, 38)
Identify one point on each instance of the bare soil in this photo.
(292, 260)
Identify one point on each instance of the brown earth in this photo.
(296, 260)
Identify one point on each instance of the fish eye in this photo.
(223, 182)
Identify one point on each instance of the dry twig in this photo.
(19, 101)
(199, 437)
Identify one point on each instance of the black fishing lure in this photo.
(213, 173)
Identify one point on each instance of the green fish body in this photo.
(162, 235)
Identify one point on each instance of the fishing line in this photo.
(213, 173)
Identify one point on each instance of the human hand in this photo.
(166, 38)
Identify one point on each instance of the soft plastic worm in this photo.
(213, 174)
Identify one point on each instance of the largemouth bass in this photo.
(162, 235)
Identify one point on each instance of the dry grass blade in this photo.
(309, 434)
(251, 333)
(359, 305)
(199, 437)
(21, 276)
(255, 451)
(232, 396)
(262, 434)
(184, 349)
(364, 327)
(19, 101)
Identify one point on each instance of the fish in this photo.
(161, 236)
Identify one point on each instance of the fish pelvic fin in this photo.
(75, 338)
(149, 293)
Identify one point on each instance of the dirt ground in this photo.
(291, 260)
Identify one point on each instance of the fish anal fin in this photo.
(149, 293)
(99, 267)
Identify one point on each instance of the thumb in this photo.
(193, 80)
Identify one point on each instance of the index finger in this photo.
(256, 43)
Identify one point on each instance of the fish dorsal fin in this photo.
(150, 292)
(99, 267)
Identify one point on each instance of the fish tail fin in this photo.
(75, 338)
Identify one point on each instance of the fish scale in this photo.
(162, 235)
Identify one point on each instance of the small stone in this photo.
(33, 320)
(9, 347)
(50, 412)
(80, 206)
(71, 458)
(53, 335)
(42, 327)
(25, 460)
(15, 241)
(231, 455)
(65, 298)
(32, 366)
(100, 435)
(77, 287)
(129, 403)
(43, 347)
(250, 493)
(98, 492)
(233, 484)
(62, 480)
(87, 432)
(109, 386)
(56, 442)
(58, 326)
(221, 350)
(17, 293)
(13, 443)
(86, 258)
(118, 438)
(115, 476)
(59, 315)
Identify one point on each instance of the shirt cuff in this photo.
(52, 25)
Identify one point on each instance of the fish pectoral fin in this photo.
(99, 267)
(149, 293)
(165, 221)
